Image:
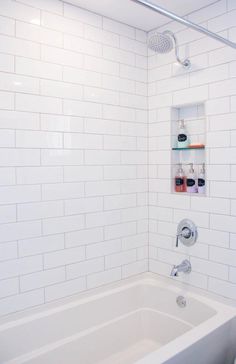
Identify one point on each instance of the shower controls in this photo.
(186, 233)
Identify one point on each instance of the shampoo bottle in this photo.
(183, 140)
(191, 180)
(202, 180)
(180, 180)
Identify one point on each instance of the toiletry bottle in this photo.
(180, 180)
(202, 180)
(191, 180)
(183, 140)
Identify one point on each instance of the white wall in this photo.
(73, 138)
(211, 80)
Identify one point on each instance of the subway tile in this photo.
(8, 251)
(57, 225)
(84, 237)
(37, 175)
(223, 288)
(7, 26)
(83, 173)
(102, 218)
(19, 47)
(101, 65)
(38, 34)
(61, 157)
(39, 210)
(40, 245)
(223, 256)
(61, 56)
(6, 100)
(21, 302)
(9, 287)
(18, 120)
(38, 139)
(82, 45)
(20, 230)
(82, 141)
(81, 76)
(40, 104)
(7, 176)
(62, 191)
(63, 257)
(16, 267)
(7, 63)
(16, 10)
(41, 279)
(101, 278)
(118, 28)
(16, 83)
(61, 123)
(103, 248)
(19, 194)
(83, 205)
(62, 24)
(84, 268)
(82, 15)
(54, 6)
(119, 259)
(29, 67)
(80, 108)
(64, 289)
(102, 188)
(7, 138)
(61, 89)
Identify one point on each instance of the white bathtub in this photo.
(135, 321)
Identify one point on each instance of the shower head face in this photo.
(160, 43)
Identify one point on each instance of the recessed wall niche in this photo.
(188, 155)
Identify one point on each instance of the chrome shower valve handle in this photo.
(186, 233)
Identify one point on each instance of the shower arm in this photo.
(186, 62)
(187, 23)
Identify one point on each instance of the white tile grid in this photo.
(73, 133)
(73, 162)
(211, 81)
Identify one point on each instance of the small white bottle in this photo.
(202, 180)
(191, 180)
(183, 139)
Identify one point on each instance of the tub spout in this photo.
(184, 267)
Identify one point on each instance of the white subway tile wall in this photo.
(73, 161)
(210, 80)
(83, 200)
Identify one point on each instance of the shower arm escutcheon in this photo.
(186, 22)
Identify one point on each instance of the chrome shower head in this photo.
(160, 43)
(164, 43)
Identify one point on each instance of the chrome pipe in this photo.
(187, 23)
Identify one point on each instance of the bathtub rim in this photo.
(212, 300)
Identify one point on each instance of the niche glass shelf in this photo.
(189, 148)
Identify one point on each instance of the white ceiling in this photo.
(126, 11)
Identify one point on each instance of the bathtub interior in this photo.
(124, 340)
(121, 325)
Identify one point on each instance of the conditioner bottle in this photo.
(191, 180)
(202, 180)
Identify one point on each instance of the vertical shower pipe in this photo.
(187, 23)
